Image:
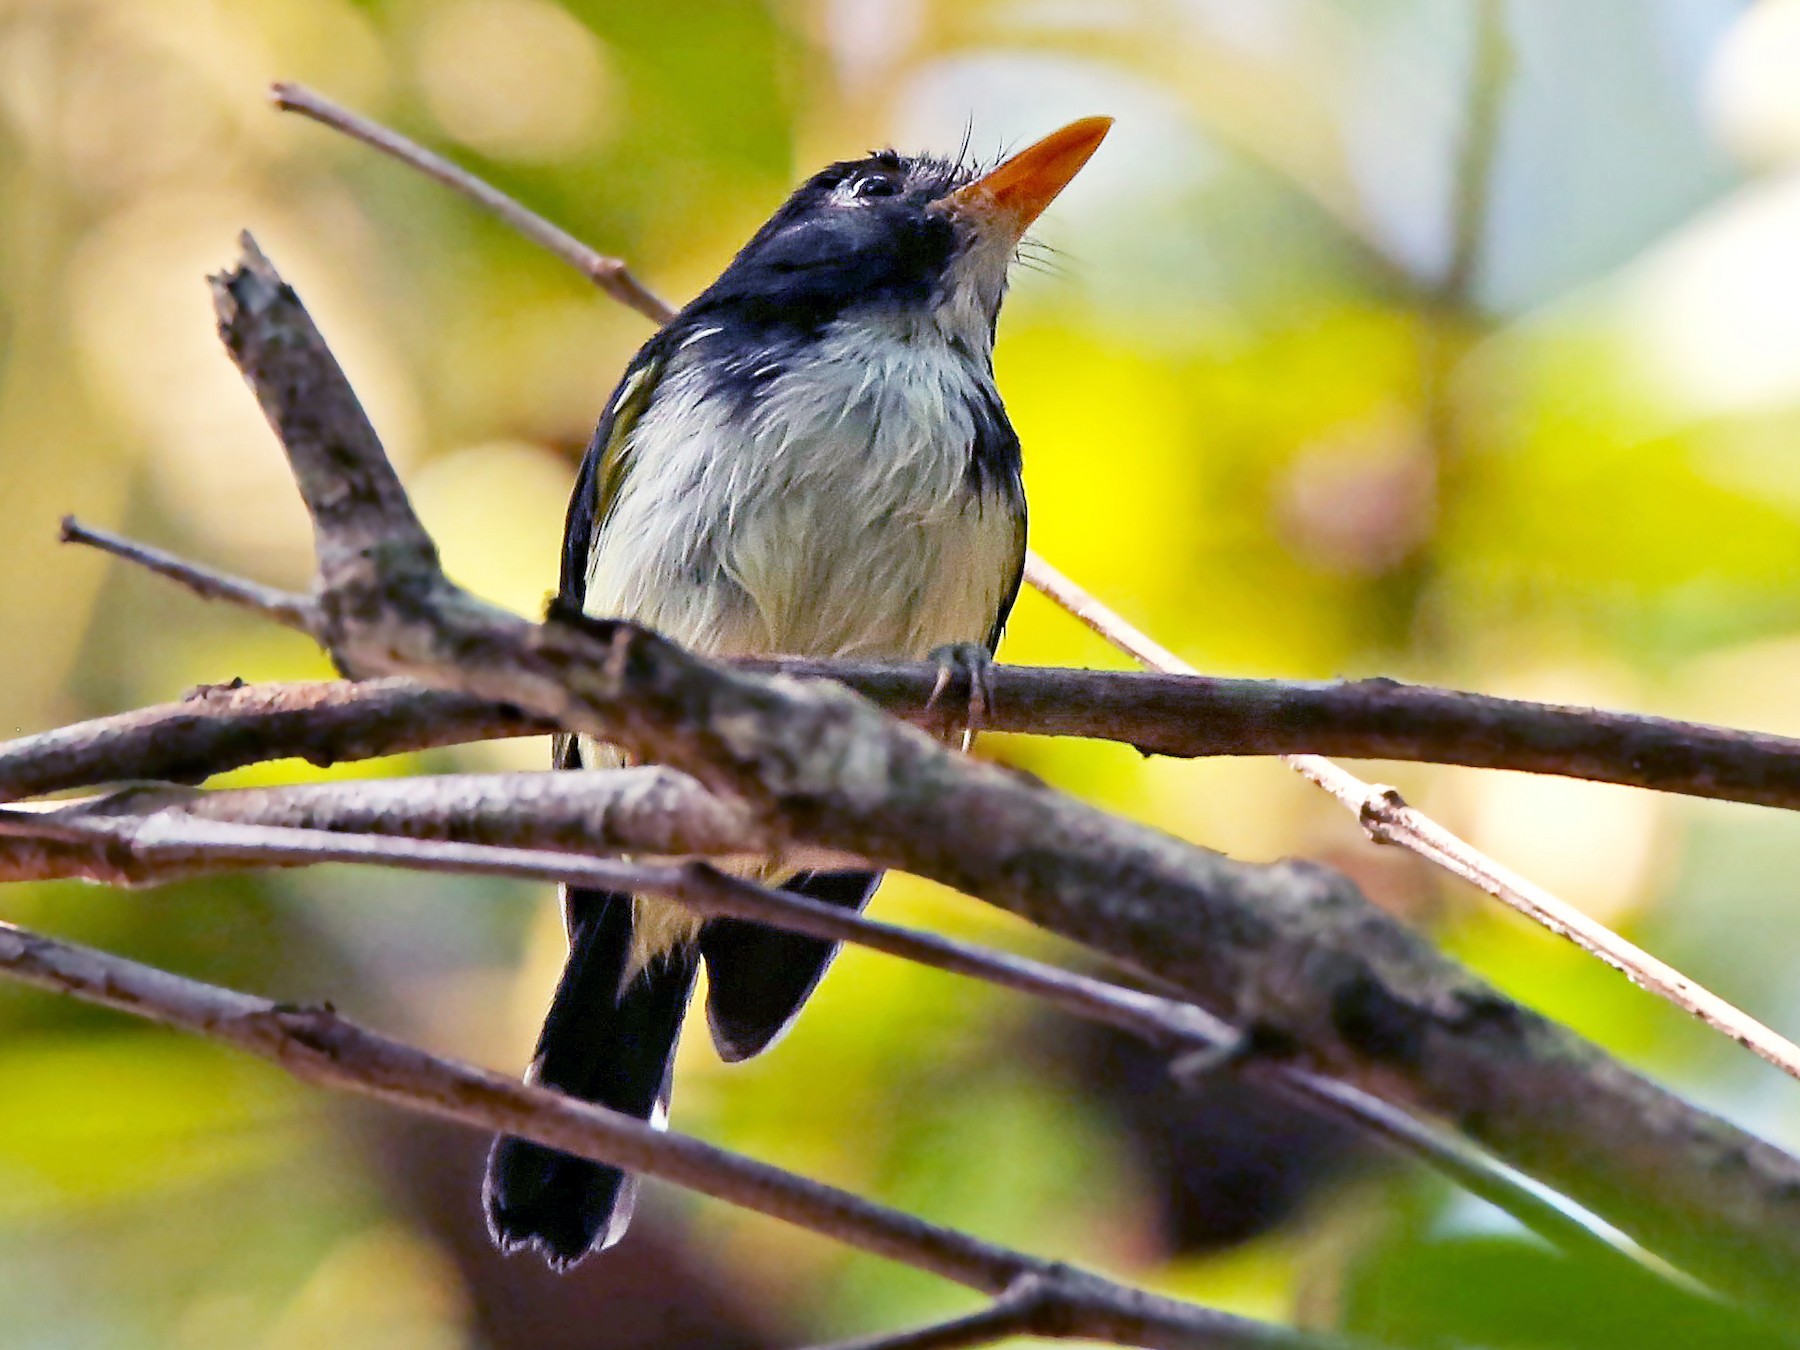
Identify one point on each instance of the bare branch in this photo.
(1390, 820)
(224, 727)
(650, 812)
(317, 1046)
(609, 274)
(645, 810)
(284, 607)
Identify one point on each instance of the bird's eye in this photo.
(874, 185)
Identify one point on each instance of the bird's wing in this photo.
(603, 469)
(999, 470)
(1015, 579)
(604, 466)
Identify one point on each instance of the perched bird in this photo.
(811, 459)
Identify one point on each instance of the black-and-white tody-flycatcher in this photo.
(811, 459)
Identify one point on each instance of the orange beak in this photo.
(1015, 194)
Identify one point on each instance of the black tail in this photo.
(602, 1045)
(757, 977)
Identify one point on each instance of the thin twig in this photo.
(1540, 1210)
(318, 1046)
(284, 607)
(609, 274)
(1389, 820)
(1022, 1310)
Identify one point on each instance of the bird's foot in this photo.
(970, 662)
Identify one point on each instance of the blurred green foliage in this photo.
(1255, 420)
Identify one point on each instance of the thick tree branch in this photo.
(648, 811)
(318, 1046)
(221, 727)
(1291, 950)
(224, 727)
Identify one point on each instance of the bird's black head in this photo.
(920, 237)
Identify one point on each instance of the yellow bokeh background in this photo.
(1272, 410)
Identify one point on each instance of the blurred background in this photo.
(1451, 340)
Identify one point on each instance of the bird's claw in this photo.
(971, 662)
